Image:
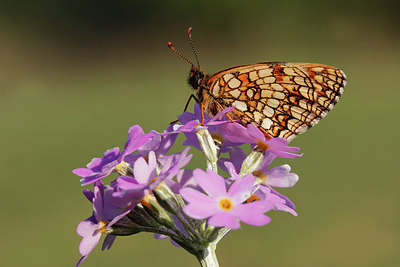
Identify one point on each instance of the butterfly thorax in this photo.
(200, 82)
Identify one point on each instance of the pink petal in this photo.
(117, 218)
(212, 183)
(280, 177)
(191, 195)
(277, 142)
(98, 204)
(242, 188)
(88, 243)
(85, 227)
(199, 211)
(278, 146)
(152, 160)
(134, 133)
(237, 133)
(200, 205)
(83, 172)
(224, 219)
(253, 213)
(127, 182)
(91, 237)
(142, 171)
(255, 132)
(230, 168)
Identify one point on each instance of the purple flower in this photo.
(251, 134)
(104, 216)
(184, 178)
(160, 143)
(279, 201)
(113, 158)
(187, 118)
(224, 208)
(279, 176)
(131, 190)
(191, 124)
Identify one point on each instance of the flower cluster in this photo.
(154, 192)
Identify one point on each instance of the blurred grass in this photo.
(67, 95)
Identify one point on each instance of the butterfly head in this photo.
(196, 77)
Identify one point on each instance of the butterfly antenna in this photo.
(192, 45)
(179, 54)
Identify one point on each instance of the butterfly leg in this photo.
(227, 115)
(202, 113)
(192, 96)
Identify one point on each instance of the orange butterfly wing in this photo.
(282, 99)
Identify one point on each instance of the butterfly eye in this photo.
(199, 77)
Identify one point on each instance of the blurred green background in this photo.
(75, 75)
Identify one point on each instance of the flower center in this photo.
(102, 227)
(261, 145)
(226, 204)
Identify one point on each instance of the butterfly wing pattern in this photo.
(282, 99)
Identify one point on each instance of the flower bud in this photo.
(140, 217)
(124, 228)
(208, 147)
(166, 198)
(251, 162)
(158, 213)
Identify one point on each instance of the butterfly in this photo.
(282, 99)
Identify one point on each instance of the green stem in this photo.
(207, 257)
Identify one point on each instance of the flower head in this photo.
(251, 134)
(280, 202)
(159, 143)
(191, 124)
(104, 216)
(113, 159)
(222, 207)
(147, 176)
(145, 197)
(279, 176)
